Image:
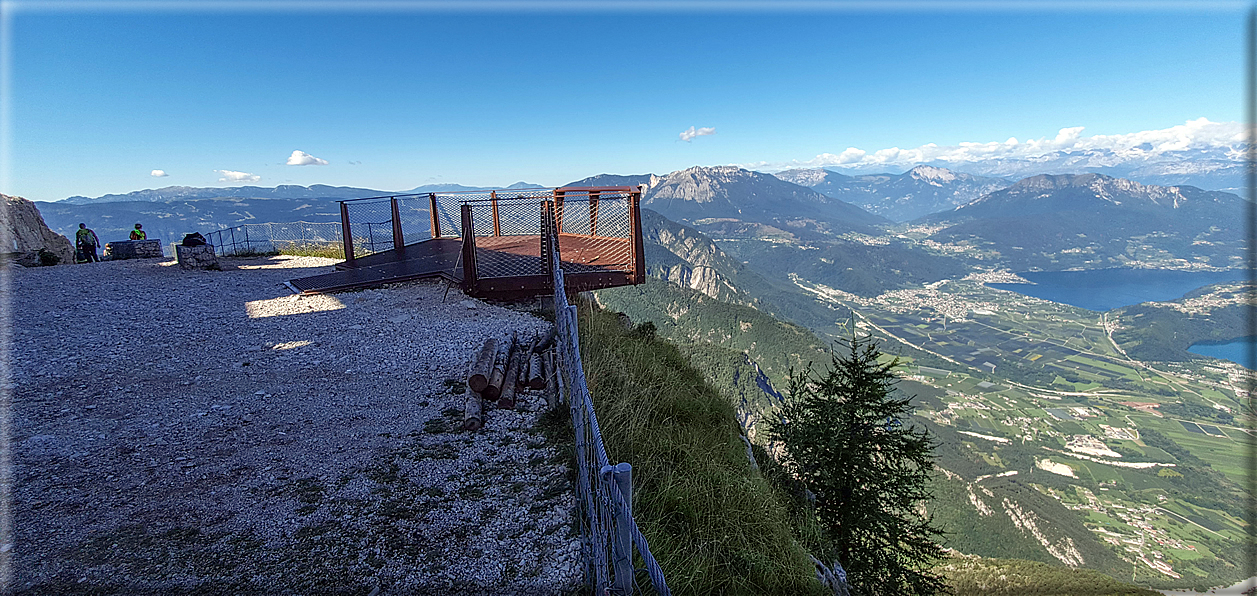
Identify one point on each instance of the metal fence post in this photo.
(347, 236)
(399, 240)
(436, 219)
(558, 211)
(470, 283)
(547, 246)
(637, 249)
(593, 213)
(497, 222)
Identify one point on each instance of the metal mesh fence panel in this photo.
(416, 218)
(370, 225)
(605, 513)
(318, 238)
(508, 237)
(595, 232)
(449, 215)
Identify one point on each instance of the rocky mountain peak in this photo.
(806, 177)
(933, 175)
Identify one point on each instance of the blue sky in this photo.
(399, 98)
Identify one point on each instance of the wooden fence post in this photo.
(621, 541)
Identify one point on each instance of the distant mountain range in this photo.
(283, 191)
(899, 197)
(1093, 220)
(1045, 221)
(727, 199)
(1212, 168)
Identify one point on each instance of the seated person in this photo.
(138, 233)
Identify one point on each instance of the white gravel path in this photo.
(207, 432)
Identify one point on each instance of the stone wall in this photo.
(196, 257)
(133, 249)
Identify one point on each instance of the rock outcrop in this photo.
(24, 232)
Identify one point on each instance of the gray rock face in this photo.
(24, 231)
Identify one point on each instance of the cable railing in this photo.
(604, 491)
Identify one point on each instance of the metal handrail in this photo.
(502, 190)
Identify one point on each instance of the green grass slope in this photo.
(715, 524)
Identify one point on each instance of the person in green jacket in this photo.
(87, 242)
(138, 233)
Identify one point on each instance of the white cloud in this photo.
(159, 174)
(1191, 135)
(301, 158)
(689, 135)
(232, 176)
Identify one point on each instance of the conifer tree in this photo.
(848, 437)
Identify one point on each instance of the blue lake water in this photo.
(1106, 289)
(1235, 351)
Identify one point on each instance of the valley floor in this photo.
(205, 431)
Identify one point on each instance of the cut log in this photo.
(536, 376)
(507, 399)
(546, 341)
(482, 367)
(521, 381)
(473, 412)
(501, 361)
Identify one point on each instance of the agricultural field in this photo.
(1039, 389)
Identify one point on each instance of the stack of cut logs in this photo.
(505, 369)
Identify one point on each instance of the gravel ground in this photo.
(208, 432)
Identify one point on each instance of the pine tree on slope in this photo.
(846, 437)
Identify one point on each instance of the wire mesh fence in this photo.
(321, 238)
(370, 225)
(595, 231)
(604, 492)
(508, 236)
(416, 220)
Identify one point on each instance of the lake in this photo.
(1235, 351)
(1236, 590)
(1106, 289)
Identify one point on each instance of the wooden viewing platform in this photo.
(495, 247)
